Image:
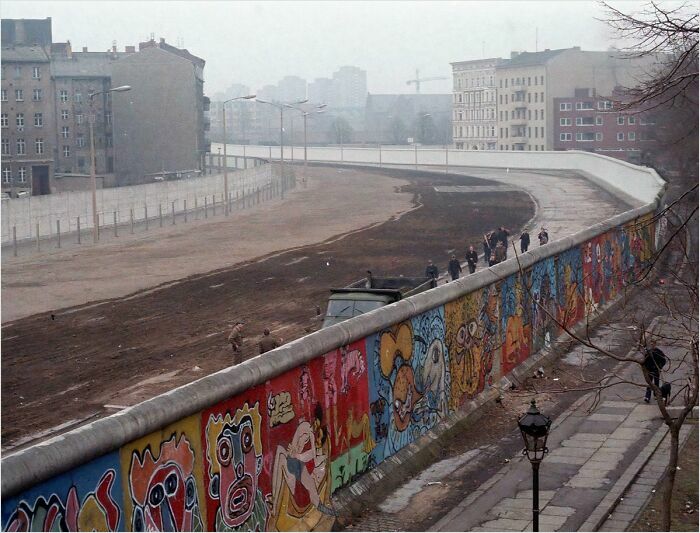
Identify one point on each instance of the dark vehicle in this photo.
(371, 293)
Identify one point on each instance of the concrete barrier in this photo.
(298, 423)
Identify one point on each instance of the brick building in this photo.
(586, 121)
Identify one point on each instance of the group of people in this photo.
(495, 245)
(266, 342)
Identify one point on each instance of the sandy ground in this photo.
(333, 203)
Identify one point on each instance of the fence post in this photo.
(58, 232)
(97, 222)
(206, 206)
(213, 204)
(145, 214)
(415, 152)
(185, 209)
(14, 241)
(196, 212)
(173, 208)
(78, 220)
(38, 245)
(160, 214)
(258, 193)
(116, 234)
(131, 219)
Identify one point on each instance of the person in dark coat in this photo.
(454, 268)
(524, 241)
(500, 252)
(267, 342)
(502, 237)
(431, 271)
(472, 259)
(487, 250)
(654, 361)
(543, 236)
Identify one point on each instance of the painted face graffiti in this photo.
(163, 490)
(405, 397)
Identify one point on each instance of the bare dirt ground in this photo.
(270, 266)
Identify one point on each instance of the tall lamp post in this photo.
(534, 427)
(223, 113)
(317, 110)
(281, 107)
(93, 172)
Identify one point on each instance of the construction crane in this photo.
(418, 79)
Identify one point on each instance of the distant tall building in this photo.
(291, 89)
(269, 93)
(236, 90)
(349, 87)
(160, 125)
(395, 118)
(321, 91)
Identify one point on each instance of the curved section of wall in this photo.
(264, 445)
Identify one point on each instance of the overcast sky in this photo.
(257, 43)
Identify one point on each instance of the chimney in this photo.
(114, 48)
(69, 51)
(85, 49)
(130, 49)
(514, 54)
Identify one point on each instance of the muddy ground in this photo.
(93, 360)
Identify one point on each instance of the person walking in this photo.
(543, 236)
(472, 259)
(500, 252)
(524, 241)
(454, 268)
(268, 342)
(235, 338)
(431, 271)
(487, 250)
(654, 361)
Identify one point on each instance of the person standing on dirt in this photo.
(268, 342)
(502, 237)
(543, 236)
(487, 251)
(654, 361)
(431, 271)
(236, 340)
(454, 268)
(472, 259)
(524, 241)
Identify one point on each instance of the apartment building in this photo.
(349, 89)
(586, 121)
(474, 104)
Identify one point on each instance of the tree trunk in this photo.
(670, 479)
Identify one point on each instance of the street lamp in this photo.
(223, 112)
(318, 109)
(281, 107)
(534, 427)
(93, 172)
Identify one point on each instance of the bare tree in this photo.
(676, 304)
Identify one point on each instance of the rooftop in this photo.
(18, 54)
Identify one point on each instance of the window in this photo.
(78, 98)
(535, 133)
(584, 105)
(564, 136)
(63, 95)
(6, 175)
(620, 121)
(81, 162)
(21, 146)
(39, 146)
(66, 151)
(64, 132)
(541, 80)
(604, 104)
(535, 97)
(599, 121)
(620, 136)
(585, 121)
(79, 118)
(22, 174)
(542, 97)
(38, 120)
(631, 136)
(587, 137)
(528, 81)
(565, 122)
(565, 106)
(5, 146)
(36, 73)
(20, 120)
(4, 120)
(529, 98)
(36, 95)
(18, 71)
(500, 98)
(19, 95)
(631, 120)
(81, 141)
(542, 132)
(529, 114)
(64, 114)
(108, 138)
(598, 136)
(3, 95)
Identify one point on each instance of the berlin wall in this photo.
(265, 445)
(145, 200)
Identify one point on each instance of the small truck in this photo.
(370, 293)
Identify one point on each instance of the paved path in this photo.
(593, 460)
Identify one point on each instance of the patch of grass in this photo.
(684, 506)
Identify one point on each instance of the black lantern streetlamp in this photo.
(534, 427)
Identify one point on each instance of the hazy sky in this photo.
(257, 43)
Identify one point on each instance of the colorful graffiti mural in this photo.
(271, 457)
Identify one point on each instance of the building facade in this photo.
(27, 121)
(291, 89)
(474, 104)
(595, 124)
(349, 88)
(321, 91)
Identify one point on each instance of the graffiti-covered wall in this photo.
(271, 457)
